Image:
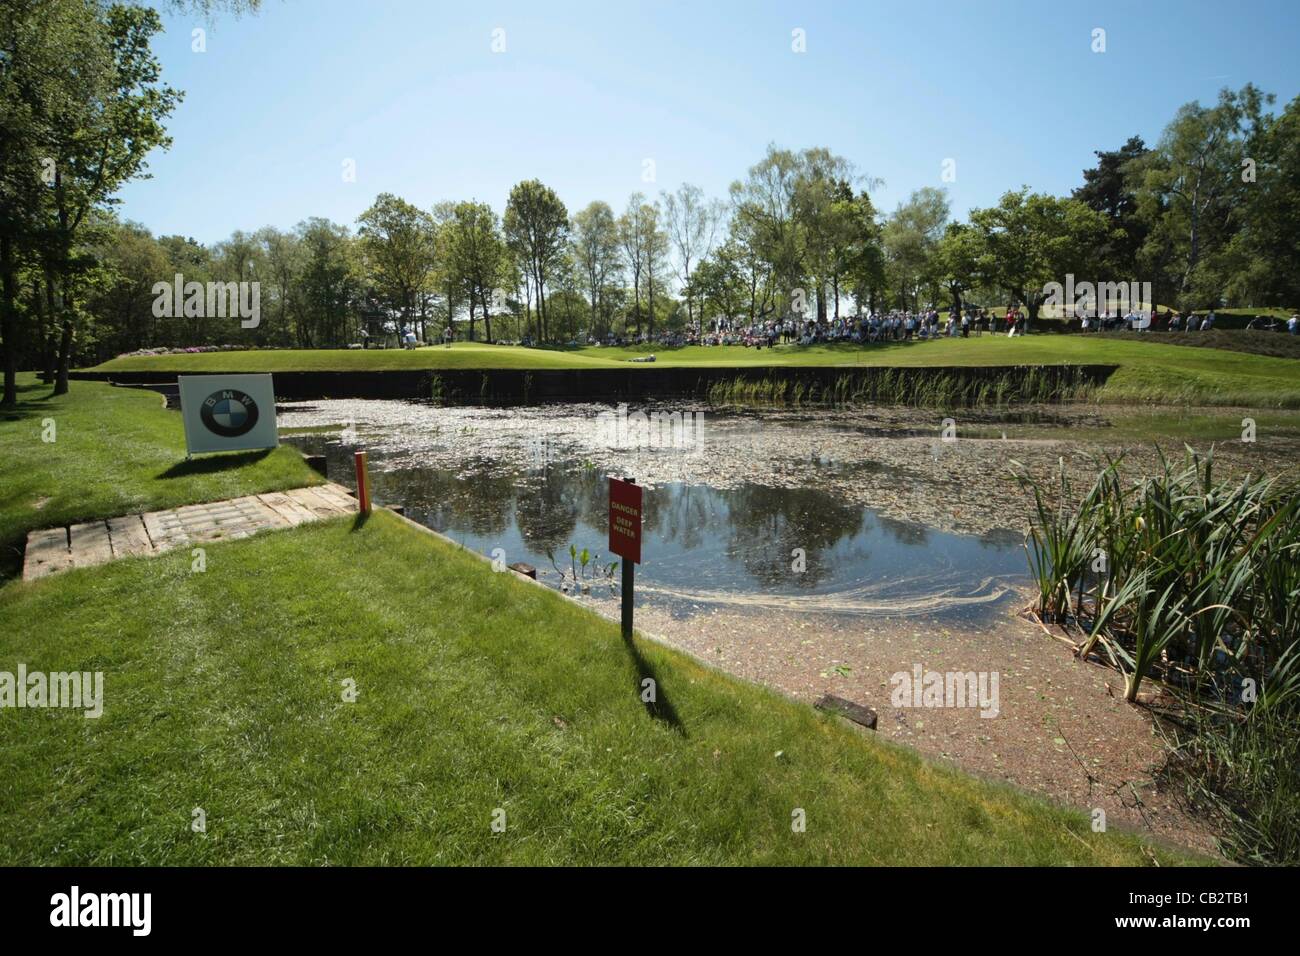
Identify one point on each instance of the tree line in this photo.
(1208, 214)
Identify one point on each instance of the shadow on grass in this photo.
(660, 708)
(29, 404)
(214, 463)
(11, 560)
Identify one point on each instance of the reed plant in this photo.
(1192, 581)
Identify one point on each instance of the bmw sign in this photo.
(228, 412)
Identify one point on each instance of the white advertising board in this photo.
(228, 412)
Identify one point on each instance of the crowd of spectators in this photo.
(865, 329)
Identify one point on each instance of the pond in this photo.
(770, 510)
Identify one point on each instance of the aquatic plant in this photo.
(1060, 545)
(1195, 584)
(921, 387)
(584, 571)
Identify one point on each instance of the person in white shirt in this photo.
(1293, 324)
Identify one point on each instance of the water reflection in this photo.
(754, 544)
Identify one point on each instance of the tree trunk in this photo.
(542, 317)
(65, 358)
(650, 295)
(9, 321)
(636, 295)
(45, 298)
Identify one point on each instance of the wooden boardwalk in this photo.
(97, 542)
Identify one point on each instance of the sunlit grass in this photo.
(475, 691)
(115, 451)
(1150, 371)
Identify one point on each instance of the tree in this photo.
(122, 302)
(398, 241)
(536, 228)
(691, 223)
(860, 253)
(718, 282)
(477, 253)
(764, 217)
(330, 281)
(1267, 249)
(823, 209)
(911, 237)
(632, 238)
(747, 273)
(1269, 241)
(959, 262)
(596, 251)
(283, 255)
(655, 243)
(1192, 190)
(37, 40)
(1029, 240)
(1110, 188)
(92, 128)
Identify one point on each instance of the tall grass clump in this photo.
(917, 387)
(1192, 581)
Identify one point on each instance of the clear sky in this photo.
(585, 93)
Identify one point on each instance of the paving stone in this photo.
(96, 542)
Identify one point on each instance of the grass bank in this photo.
(475, 692)
(1151, 370)
(114, 451)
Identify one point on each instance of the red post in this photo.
(363, 484)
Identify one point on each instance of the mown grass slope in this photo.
(1150, 370)
(475, 693)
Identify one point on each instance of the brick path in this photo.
(97, 542)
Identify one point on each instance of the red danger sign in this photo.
(625, 520)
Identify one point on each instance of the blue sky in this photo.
(585, 93)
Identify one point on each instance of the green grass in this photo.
(1151, 371)
(476, 691)
(116, 451)
(461, 355)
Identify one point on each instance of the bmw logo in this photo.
(229, 413)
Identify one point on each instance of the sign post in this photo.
(363, 482)
(625, 500)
